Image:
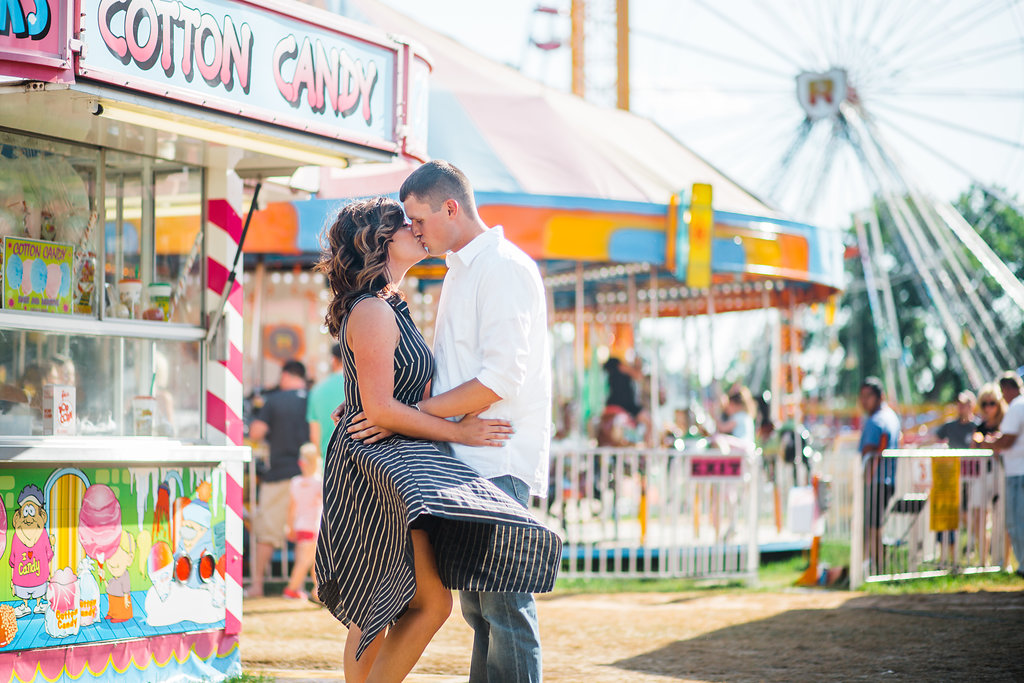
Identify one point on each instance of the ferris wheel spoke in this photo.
(792, 36)
(956, 62)
(906, 134)
(704, 87)
(814, 190)
(956, 126)
(953, 27)
(721, 56)
(952, 93)
(901, 32)
(862, 60)
(819, 27)
(750, 34)
(780, 172)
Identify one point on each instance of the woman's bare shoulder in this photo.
(371, 312)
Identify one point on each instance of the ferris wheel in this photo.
(860, 111)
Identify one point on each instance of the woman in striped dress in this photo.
(404, 523)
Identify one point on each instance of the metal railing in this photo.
(837, 466)
(927, 512)
(654, 513)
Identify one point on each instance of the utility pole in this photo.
(622, 45)
(577, 21)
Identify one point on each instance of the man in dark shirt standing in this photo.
(959, 432)
(282, 422)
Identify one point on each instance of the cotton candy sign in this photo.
(37, 275)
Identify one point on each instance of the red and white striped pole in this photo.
(224, 376)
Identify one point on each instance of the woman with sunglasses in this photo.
(981, 491)
(992, 408)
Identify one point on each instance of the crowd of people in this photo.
(294, 420)
(994, 420)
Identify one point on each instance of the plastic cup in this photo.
(129, 290)
(159, 295)
(144, 415)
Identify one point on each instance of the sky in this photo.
(942, 82)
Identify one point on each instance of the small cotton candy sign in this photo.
(37, 275)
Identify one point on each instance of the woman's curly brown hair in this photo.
(355, 255)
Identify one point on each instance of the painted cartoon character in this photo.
(119, 586)
(194, 561)
(31, 552)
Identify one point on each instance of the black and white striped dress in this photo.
(483, 539)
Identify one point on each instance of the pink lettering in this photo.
(366, 84)
(348, 98)
(116, 44)
(168, 14)
(304, 77)
(326, 76)
(329, 77)
(191, 18)
(210, 71)
(237, 54)
(137, 10)
(285, 51)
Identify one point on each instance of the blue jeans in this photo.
(1015, 517)
(506, 638)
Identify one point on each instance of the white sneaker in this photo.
(40, 608)
(22, 610)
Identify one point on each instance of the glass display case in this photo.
(102, 282)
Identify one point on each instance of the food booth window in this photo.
(102, 285)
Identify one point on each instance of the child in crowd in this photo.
(304, 519)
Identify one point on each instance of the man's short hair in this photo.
(437, 181)
(336, 351)
(294, 367)
(874, 384)
(1009, 380)
(966, 397)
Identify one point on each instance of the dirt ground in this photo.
(697, 636)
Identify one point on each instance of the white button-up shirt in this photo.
(1013, 423)
(492, 325)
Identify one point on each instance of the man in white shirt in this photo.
(1010, 444)
(492, 352)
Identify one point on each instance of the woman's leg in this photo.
(305, 553)
(427, 612)
(356, 671)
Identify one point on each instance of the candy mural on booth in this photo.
(107, 554)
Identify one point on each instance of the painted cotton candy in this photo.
(99, 525)
(53, 280)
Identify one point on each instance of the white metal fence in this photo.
(900, 500)
(655, 513)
